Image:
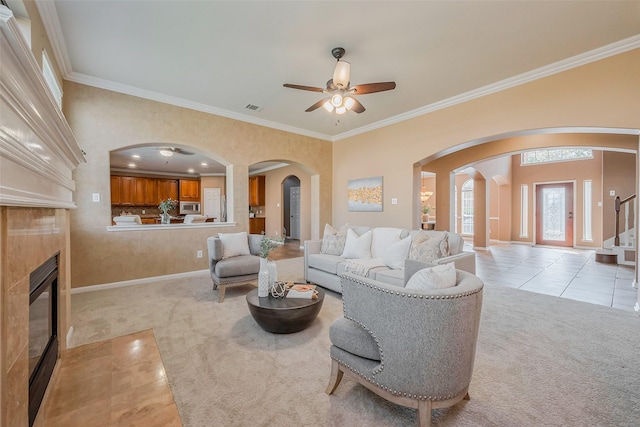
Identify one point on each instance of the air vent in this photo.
(252, 107)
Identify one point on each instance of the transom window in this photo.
(555, 155)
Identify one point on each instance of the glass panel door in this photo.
(554, 214)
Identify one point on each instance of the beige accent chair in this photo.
(234, 271)
(415, 348)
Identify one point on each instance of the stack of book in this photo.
(302, 291)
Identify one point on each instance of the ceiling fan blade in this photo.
(310, 88)
(316, 105)
(373, 87)
(357, 106)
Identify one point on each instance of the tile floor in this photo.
(116, 382)
(565, 273)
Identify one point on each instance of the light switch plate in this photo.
(612, 192)
(394, 201)
(96, 197)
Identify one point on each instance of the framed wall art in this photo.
(365, 194)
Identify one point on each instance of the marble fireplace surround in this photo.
(38, 154)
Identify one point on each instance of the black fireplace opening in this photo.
(43, 331)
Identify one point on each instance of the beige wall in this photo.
(575, 172)
(102, 121)
(602, 94)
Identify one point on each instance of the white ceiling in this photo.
(219, 56)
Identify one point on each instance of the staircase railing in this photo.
(618, 204)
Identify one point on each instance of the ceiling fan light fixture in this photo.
(328, 106)
(341, 110)
(341, 74)
(336, 100)
(166, 153)
(349, 102)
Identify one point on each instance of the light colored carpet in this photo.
(540, 361)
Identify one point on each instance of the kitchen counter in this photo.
(172, 226)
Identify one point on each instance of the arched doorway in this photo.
(291, 207)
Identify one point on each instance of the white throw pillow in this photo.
(432, 278)
(357, 246)
(234, 244)
(333, 240)
(395, 254)
(382, 238)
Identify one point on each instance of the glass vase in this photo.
(165, 218)
(263, 279)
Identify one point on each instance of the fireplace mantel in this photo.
(38, 151)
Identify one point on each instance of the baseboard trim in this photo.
(141, 281)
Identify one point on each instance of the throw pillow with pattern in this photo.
(427, 247)
(333, 240)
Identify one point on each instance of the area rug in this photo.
(540, 361)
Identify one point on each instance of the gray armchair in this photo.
(237, 270)
(414, 348)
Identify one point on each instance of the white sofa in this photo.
(324, 269)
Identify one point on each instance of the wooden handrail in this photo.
(618, 203)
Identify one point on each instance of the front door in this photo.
(554, 214)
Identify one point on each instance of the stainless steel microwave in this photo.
(189, 208)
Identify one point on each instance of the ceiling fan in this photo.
(169, 151)
(341, 94)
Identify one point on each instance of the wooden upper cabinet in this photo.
(167, 188)
(139, 191)
(256, 190)
(127, 190)
(189, 190)
(115, 190)
(140, 195)
(151, 196)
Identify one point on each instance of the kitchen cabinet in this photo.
(115, 190)
(256, 190)
(167, 188)
(151, 196)
(140, 191)
(127, 190)
(257, 225)
(140, 194)
(189, 190)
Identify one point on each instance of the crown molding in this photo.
(594, 55)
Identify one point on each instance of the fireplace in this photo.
(43, 331)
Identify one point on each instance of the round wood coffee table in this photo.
(284, 315)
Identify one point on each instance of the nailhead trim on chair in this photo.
(398, 293)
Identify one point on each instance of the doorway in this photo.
(554, 214)
(291, 204)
